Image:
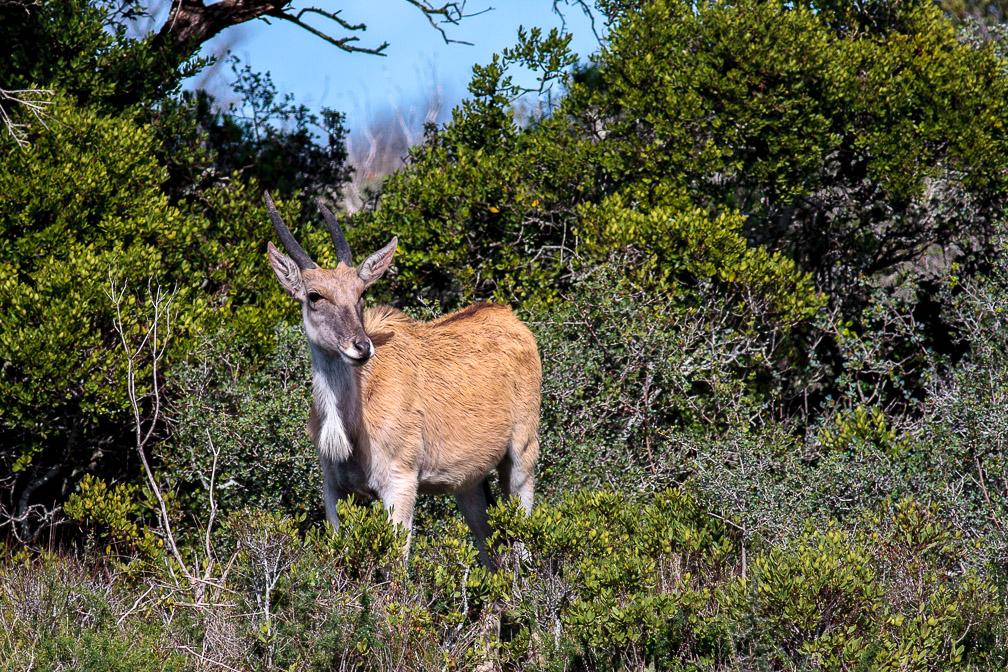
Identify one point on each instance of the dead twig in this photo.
(34, 101)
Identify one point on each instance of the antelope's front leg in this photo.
(332, 493)
(399, 503)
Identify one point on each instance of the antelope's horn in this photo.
(338, 239)
(295, 250)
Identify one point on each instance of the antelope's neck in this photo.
(334, 388)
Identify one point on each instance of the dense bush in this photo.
(624, 370)
(88, 55)
(120, 183)
(83, 209)
(761, 246)
(244, 426)
(597, 581)
(858, 150)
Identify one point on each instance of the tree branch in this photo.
(585, 7)
(150, 344)
(33, 100)
(450, 12)
(341, 43)
(192, 22)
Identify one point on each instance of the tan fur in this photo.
(446, 399)
(434, 408)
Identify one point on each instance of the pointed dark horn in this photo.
(295, 251)
(338, 239)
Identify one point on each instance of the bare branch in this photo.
(34, 100)
(334, 16)
(152, 328)
(161, 305)
(193, 22)
(213, 509)
(22, 3)
(450, 12)
(585, 7)
(343, 43)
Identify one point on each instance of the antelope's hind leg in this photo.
(473, 505)
(517, 471)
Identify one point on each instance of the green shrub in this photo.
(862, 429)
(823, 122)
(116, 514)
(809, 599)
(487, 209)
(60, 612)
(596, 581)
(82, 208)
(685, 246)
(961, 436)
(89, 56)
(627, 372)
(117, 180)
(667, 585)
(616, 575)
(241, 420)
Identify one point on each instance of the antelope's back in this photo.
(487, 341)
(471, 379)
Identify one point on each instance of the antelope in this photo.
(401, 406)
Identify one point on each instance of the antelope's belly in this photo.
(458, 470)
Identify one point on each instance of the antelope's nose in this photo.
(363, 348)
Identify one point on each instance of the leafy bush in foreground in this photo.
(596, 582)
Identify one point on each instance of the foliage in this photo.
(638, 587)
(861, 140)
(60, 612)
(639, 394)
(597, 581)
(471, 211)
(265, 137)
(760, 245)
(82, 207)
(625, 370)
(800, 153)
(485, 208)
(965, 414)
(878, 124)
(241, 420)
(863, 428)
(116, 515)
(122, 183)
(88, 55)
(685, 247)
(984, 17)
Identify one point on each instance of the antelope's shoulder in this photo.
(381, 323)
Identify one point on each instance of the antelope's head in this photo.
(331, 299)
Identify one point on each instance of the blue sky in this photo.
(362, 85)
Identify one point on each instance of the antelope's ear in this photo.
(373, 267)
(286, 271)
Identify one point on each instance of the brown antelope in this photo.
(403, 406)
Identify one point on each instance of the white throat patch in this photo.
(331, 382)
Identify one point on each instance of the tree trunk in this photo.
(191, 22)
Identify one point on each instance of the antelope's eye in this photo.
(313, 297)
